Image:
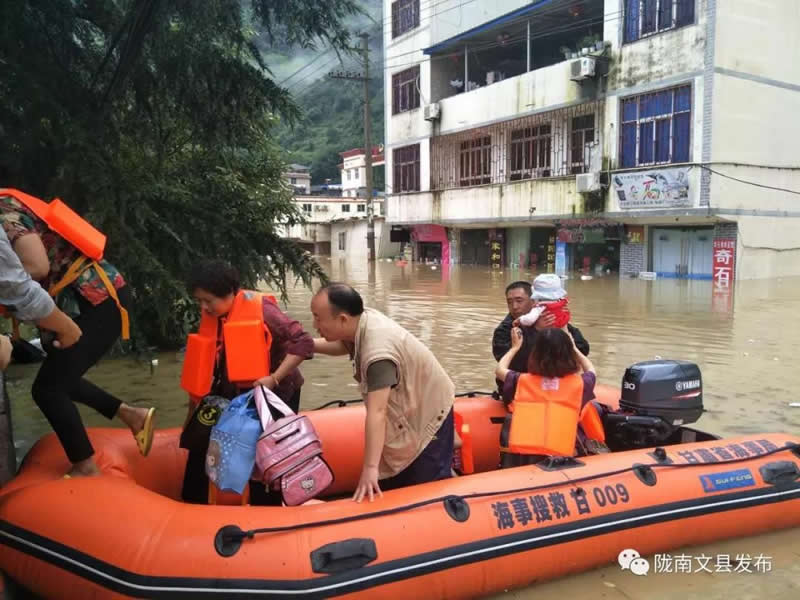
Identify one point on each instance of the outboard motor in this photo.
(658, 398)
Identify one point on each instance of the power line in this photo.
(325, 65)
(540, 13)
(737, 179)
(431, 5)
(753, 183)
(588, 22)
(486, 46)
(305, 66)
(316, 58)
(312, 75)
(316, 72)
(312, 83)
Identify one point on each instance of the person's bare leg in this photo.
(132, 416)
(84, 468)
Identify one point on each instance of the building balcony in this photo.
(555, 143)
(643, 195)
(307, 233)
(519, 169)
(490, 205)
(516, 63)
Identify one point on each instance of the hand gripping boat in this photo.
(665, 485)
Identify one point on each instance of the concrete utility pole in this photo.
(368, 150)
(364, 78)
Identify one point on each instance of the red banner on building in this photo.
(724, 262)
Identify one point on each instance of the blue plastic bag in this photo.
(232, 448)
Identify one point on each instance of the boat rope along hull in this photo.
(127, 535)
(125, 582)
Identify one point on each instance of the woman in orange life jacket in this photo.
(547, 401)
(216, 286)
(95, 295)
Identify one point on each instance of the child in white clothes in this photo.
(550, 296)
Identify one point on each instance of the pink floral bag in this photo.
(289, 453)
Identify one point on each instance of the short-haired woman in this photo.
(216, 286)
(547, 401)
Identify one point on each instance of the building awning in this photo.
(546, 18)
(506, 18)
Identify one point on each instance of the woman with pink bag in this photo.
(288, 453)
(216, 286)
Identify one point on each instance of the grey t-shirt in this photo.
(380, 374)
(25, 298)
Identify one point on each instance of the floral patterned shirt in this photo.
(17, 220)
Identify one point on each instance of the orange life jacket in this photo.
(592, 424)
(546, 412)
(90, 242)
(247, 341)
(65, 222)
(464, 455)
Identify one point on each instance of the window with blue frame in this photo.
(647, 17)
(656, 128)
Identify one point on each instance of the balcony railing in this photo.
(552, 144)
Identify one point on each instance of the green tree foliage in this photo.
(156, 120)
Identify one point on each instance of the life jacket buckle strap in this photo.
(76, 269)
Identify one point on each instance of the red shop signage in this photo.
(724, 262)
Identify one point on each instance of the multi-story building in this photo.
(629, 135)
(353, 169)
(299, 177)
(337, 226)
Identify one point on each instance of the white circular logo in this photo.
(626, 556)
(640, 566)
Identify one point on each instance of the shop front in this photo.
(431, 244)
(531, 248)
(683, 252)
(485, 247)
(592, 246)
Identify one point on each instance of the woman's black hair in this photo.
(217, 277)
(343, 297)
(552, 354)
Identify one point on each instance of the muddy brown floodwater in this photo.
(746, 345)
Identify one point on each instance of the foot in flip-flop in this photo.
(144, 439)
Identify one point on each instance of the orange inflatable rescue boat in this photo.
(663, 486)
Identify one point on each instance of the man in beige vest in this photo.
(408, 395)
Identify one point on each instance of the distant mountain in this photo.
(332, 108)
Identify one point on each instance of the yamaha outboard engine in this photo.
(658, 398)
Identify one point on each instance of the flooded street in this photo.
(746, 347)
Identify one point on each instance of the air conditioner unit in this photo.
(432, 111)
(587, 182)
(582, 68)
